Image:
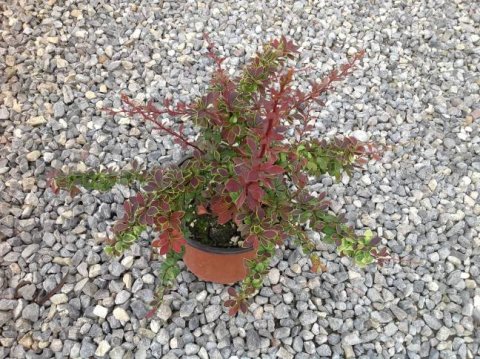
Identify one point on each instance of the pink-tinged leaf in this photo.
(222, 172)
(274, 170)
(223, 208)
(164, 207)
(127, 206)
(252, 145)
(152, 211)
(74, 191)
(256, 192)
(163, 250)
(243, 307)
(233, 310)
(267, 183)
(232, 185)
(324, 205)
(251, 241)
(143, 218)
(177, 245)
(253, 176)
(229, 136)
(201, 209)
(241, 199)
(53, 186)
(150, 220)
(224, 218)
(194, 182)
(232, 292)
(120, 227)
(270, 234)
(177, 215)
(229, 303)
(151, 313)
(140, 200)
(158, 175)
(150, 186)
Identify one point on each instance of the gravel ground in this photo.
(417, 90)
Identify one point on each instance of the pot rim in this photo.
(217, 250)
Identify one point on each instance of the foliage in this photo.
(245, 169)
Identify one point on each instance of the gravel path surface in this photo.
(417, 90)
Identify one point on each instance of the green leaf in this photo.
(257, 283)
(119, 247)
(322, 163)
(312, 166)
(109, 250)
(368, 235)
(129, 238)
(234, 196)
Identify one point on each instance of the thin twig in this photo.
(41, 300)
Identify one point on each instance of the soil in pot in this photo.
(207, 231)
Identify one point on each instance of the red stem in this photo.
(148, 117)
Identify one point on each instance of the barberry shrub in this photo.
(244, 171)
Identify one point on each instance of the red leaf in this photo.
(233, 310)
(150, 186)
(224, 217)
(270, 234)
(253, 176)
(74, 191)
(53, 186)
(143, 218)
(169, 239)
(120, 227)
(232, 185)
(127, 206)
(161, 222)
(178, 244)
(243, 307)
(163, 250)
(251, 241)
(222, 172)
(223, 209)
(152, 211)
(201, 209)
(176, 216)
(232, 291)
(140, 200)
(158, 175)
(229, 303)
(194, 182)
(151, 313)
(241, 199)
(256, 192)
(252, 145)
(164, 207)
(274, 170)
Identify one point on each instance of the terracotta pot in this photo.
(217, 265)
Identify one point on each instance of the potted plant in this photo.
(243, 190)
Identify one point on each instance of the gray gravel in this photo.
(61, 62)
